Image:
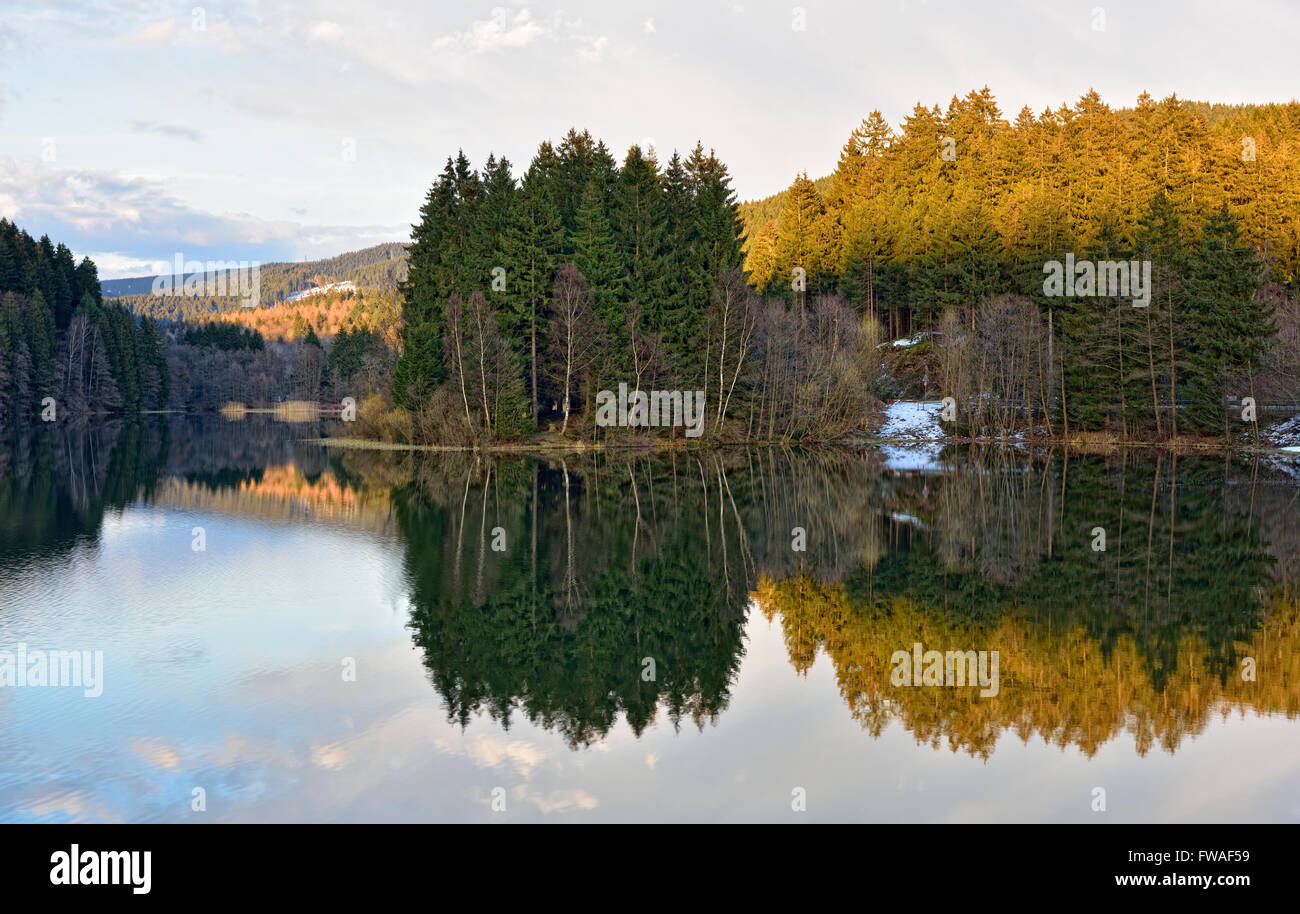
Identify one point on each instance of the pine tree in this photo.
(419, 368)
(533, 242)
(799, 241)
(493, 225)
(597, 256)
(39, 335)
(641, 227)
(1232, 324)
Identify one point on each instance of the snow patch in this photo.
(1285, 435)
(905, 342)
(912, 435)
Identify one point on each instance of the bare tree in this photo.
(574, 335)
(732, 322)
(454, 336)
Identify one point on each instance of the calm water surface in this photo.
(643, 642)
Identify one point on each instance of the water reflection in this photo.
(618, 560)
(570, 592)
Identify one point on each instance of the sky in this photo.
(136, 131)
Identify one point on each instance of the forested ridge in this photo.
(378, 268)
(914, 223)
(63, 351)
(945, 224)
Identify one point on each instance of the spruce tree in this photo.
(1232, 325)
(532, 247)
(419, 368)
(597, 256)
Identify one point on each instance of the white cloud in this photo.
(556, 800)
(496, 34)
(135, 217)
(327, 32)
(489, 752)
(592, 49)
(648, 27)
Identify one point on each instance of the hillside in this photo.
(896, 198)
(378, 268)
(327, 314)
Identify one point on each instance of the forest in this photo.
(521, 296)
(64, 353)
(524, 298)
(527, 296)
(944, 227)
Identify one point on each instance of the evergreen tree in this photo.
(532, 245)
(1231, 324)
(597, 256)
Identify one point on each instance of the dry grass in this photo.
(297, 411)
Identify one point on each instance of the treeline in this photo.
(220, 363)
(525, 298)
(1180, 365)
(223, 336)
(329, 314)
(63, 352)
(960, 207)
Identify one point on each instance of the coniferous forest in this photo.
(527, 294)
(671, 413)
(944, 226)
(62, 349)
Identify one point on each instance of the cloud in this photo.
(136, 218)
(327, 32)
(488, 751)
(496, 34)
(156, 753)
(175, 131)
(648, 27)
(556, 800)
(162, 32)
(592, 49)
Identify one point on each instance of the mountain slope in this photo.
(380, 267)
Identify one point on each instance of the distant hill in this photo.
(379, 268)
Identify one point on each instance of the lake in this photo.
(294, 633)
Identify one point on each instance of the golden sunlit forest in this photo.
(953, 194)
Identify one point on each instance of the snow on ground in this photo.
(907, 519)
(1284, 436)
(914, 438)
(905, 342)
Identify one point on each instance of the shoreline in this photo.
(1077, 445)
